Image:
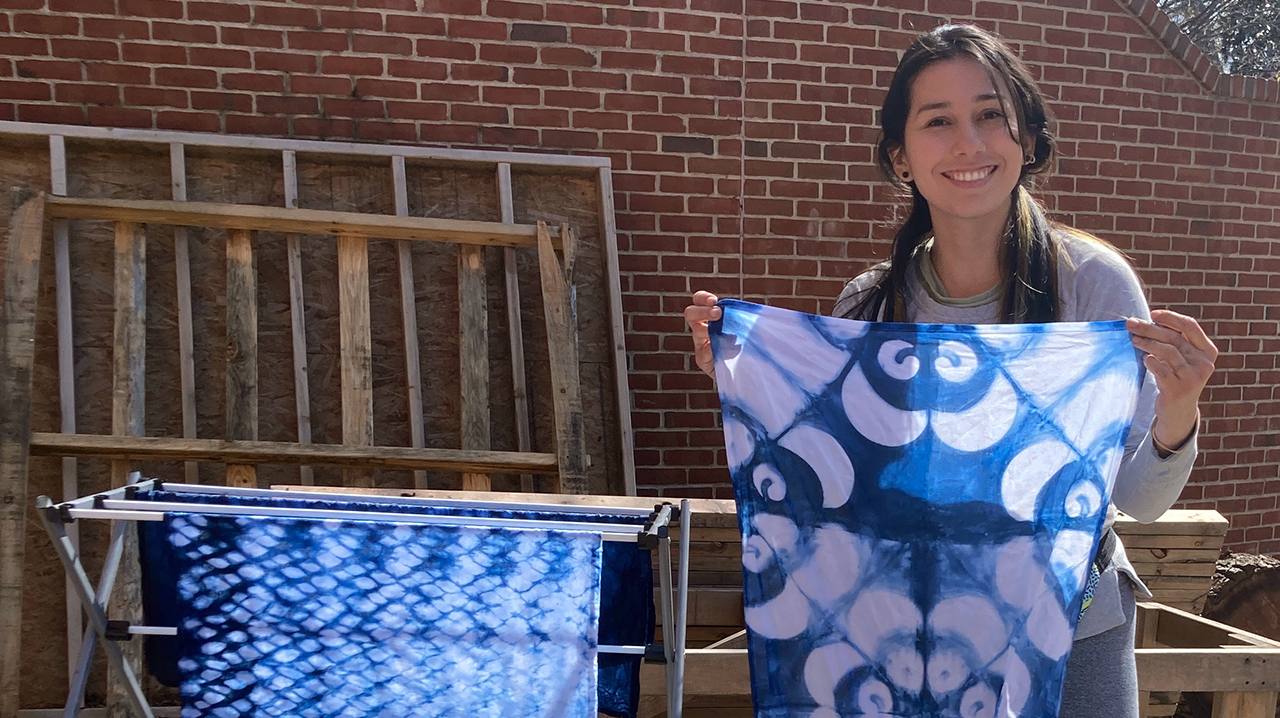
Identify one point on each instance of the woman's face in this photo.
(959, 142)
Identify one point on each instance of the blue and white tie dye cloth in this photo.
(920, 505)
(310, 618)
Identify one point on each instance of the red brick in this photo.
(346, 65)
(381, 44)
(216, 11)
(287, 16)
(77, 49)
(221, 101)
(446, 50)
(184, 32)
(51, 69)
(53, 114)
(186, 77)
(264, 60)
(311, 85)
(155, 97)
(154, 54)
(22, 90)
(220, 57)
(317, 41)
(350, 20)
(42, 24)
(117, 74)
(188, 121)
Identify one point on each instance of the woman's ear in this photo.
(901, 167)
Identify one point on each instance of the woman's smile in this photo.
(970, 178)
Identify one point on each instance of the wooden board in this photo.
(560, 302)
(17, 358)
(272, 219)
(242, 351)
(473, 357)
(128, 418)
(357, 373)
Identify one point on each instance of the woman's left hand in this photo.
(1181, 357)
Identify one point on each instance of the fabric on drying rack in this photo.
(302, 617)
(627, 611)
(920, 505)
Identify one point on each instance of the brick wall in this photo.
(1172, 162)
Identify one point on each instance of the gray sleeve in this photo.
(1146, 485)
(855, 291)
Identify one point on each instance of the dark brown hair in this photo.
(1031, 252)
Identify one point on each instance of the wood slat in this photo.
(182, 272)
(242, 351)
(1201, 522)
(515, 327)
(356, 351)
(1260, 704)
(128, 395)
(66, 380)
(155, 448)
(17, 359)
(297, 221)
(297, 316)
(409, 318)
(562, 342)
(473, 355)
(608, 223)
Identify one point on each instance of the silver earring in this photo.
(1028, 159)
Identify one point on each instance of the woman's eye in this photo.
(936, 122)
(992, 114)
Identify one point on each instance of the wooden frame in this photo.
(502, 164)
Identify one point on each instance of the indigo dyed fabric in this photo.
(920, 505)
(300, 617)
(627, 612)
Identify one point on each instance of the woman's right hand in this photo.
(697, 315)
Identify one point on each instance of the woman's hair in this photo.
(1031, 252)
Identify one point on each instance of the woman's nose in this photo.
(968, 139)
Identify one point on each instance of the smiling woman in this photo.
(965, 131)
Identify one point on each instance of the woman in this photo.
(964, 129)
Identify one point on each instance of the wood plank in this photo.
(515, 328)
(155, 448)
(473, 350)
(128, 396)
(356, 351)
(409, 317)
(66, 381)
(242, 350)
(321, 147)
(609, 232)
(562, 340)
(1245, 705)
(1170, 542)
(182, 269)
(298, 221)
(297, 316)
(1180, 629)
(1201, 522)
(1208, 670)
(17, 359)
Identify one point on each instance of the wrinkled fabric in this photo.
(627, 612)
(302, 617)
(920, 505)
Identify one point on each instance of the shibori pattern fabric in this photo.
(920, 505)
(627, 612)
(302, 617)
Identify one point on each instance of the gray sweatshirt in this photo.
(1095, 284)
